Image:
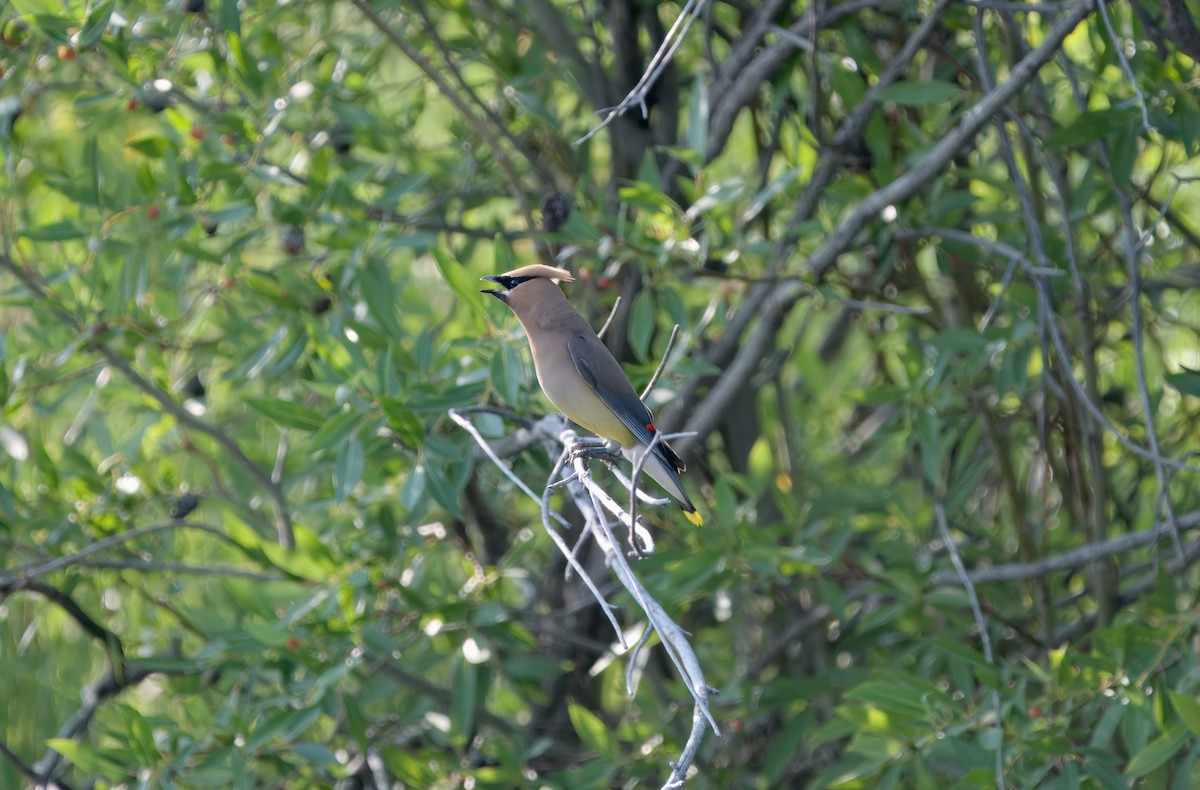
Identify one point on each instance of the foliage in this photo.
(245, 546)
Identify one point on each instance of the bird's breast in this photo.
(570, 394)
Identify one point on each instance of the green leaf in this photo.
(1090, 126)
(375, 285)
(1187, 382)
(287, 413)
(1188, 709)
(890, 698)
(141, 736)
(641, 324)
(55, 231)
(268, 634)
(1107, 776)
(347, 468)
(229, 18)
(919, 94)
(503, 259)
(445, 483)
(591, 730)
(334, 430)
(462, 699)
(87, 758)
(1157, 752)
(152, 146)
(97, 21)
(456, 277)
(407, 427)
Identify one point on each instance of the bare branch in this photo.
(443, 85)
(25, 770)
(23, 574)
(961, 572)
(637, 95)
(777, 302)
(110, 684)
(611, 315)
(1119, 46)
(1076, 558)
(592, 500)
(662, 365)
(67, 604)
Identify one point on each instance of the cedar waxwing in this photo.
(581, 377)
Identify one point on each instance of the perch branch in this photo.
(572, 472)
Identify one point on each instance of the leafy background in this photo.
(243, 545)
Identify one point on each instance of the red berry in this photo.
(66, 53)
(152, 212)
(293, 643)
(133, 104)
(1035, 712)
(604, 283)
(197, 132)
(227, 283)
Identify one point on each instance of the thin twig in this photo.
(1044, 300)
(776, 302)
(673, 638)
(940, 512)
(662, 365)
(1120, 48)
(283, 518)
(639, 461)
(32, 572)
(544, 503)
(22, 767)
(438, 78)
(1069, 560)
(611, 314)
(637, 95)
(178, 567)
(570, 553)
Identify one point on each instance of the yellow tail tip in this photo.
(695, 517)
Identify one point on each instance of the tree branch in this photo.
(283, 518)
(1069, 560)
(780, 300)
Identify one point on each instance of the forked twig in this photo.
(658, 64)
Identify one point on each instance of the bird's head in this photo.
(510, 281)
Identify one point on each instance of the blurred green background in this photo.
(242, 544)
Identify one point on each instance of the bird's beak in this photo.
(501, 295)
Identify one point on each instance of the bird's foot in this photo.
(609, 451)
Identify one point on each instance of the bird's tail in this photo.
(666, 477)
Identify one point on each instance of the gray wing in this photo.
(604, 375)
